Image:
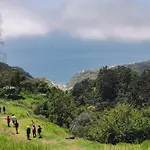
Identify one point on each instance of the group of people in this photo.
(2, 109)
(28, 129)
(34, 131)
(14, 122)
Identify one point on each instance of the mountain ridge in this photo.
(81, 75)
(5, 66)
(92, 73)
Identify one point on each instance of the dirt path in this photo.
(6, 131)
(9, 130)
(75, 148)
(22, 136)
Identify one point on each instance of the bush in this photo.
(78, 126)
(124, 123)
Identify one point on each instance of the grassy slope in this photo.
(53, 136)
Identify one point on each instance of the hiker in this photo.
(28, 131)
(8, 121)
(4, 109)
(39, 131)
(32, 122)
(34, 131)
(13, 118)
(16, 126)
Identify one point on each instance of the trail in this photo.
(75, 148)
(10, 131)
(21, 137)
(4, 130)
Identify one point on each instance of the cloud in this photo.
(125, 20)
(107, 19)
(20, 21)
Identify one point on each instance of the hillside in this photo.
(100, 110)
(5, 68)
(20, 79)
(50, 84)
(53, 136)
(80, 76)
(139, 66)
(92, 74)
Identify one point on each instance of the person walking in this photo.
(28, 131)
(32, 123)
(34, 131)
(16, 126)
(8, 121)
(4, 109)
(13, 118)
(39, 131)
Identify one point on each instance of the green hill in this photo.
(139, 66)
(21, 80)
(92, 74)
(80, 76)
(5, 67)
(46, 105)
(53, 136)
(50, 84)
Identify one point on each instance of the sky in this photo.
(57, 38)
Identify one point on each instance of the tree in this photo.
(141, 92)
(84, 92)
(61, 110)
(106, 85)
(124, 123)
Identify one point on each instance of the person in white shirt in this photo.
(13, 118)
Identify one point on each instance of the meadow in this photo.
(53, 135)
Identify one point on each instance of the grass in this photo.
(8, 144)
(53, 136)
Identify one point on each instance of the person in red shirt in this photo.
(34, 131)
(8, 121)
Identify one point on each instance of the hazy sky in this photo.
(56, 38)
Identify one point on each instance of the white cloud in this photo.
(127, 20)
(107, 19)
(19, 21)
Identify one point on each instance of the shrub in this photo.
(78, 126)
(123, 123)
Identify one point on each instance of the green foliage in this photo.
(114, 83)
(80, 76)
(18, 78)
(80, 123)
(59, 107)
(138, 67)
(124, 123)
(107, 85)
(111, 86)
(84, 92)
(61, 110)
(112, 108)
